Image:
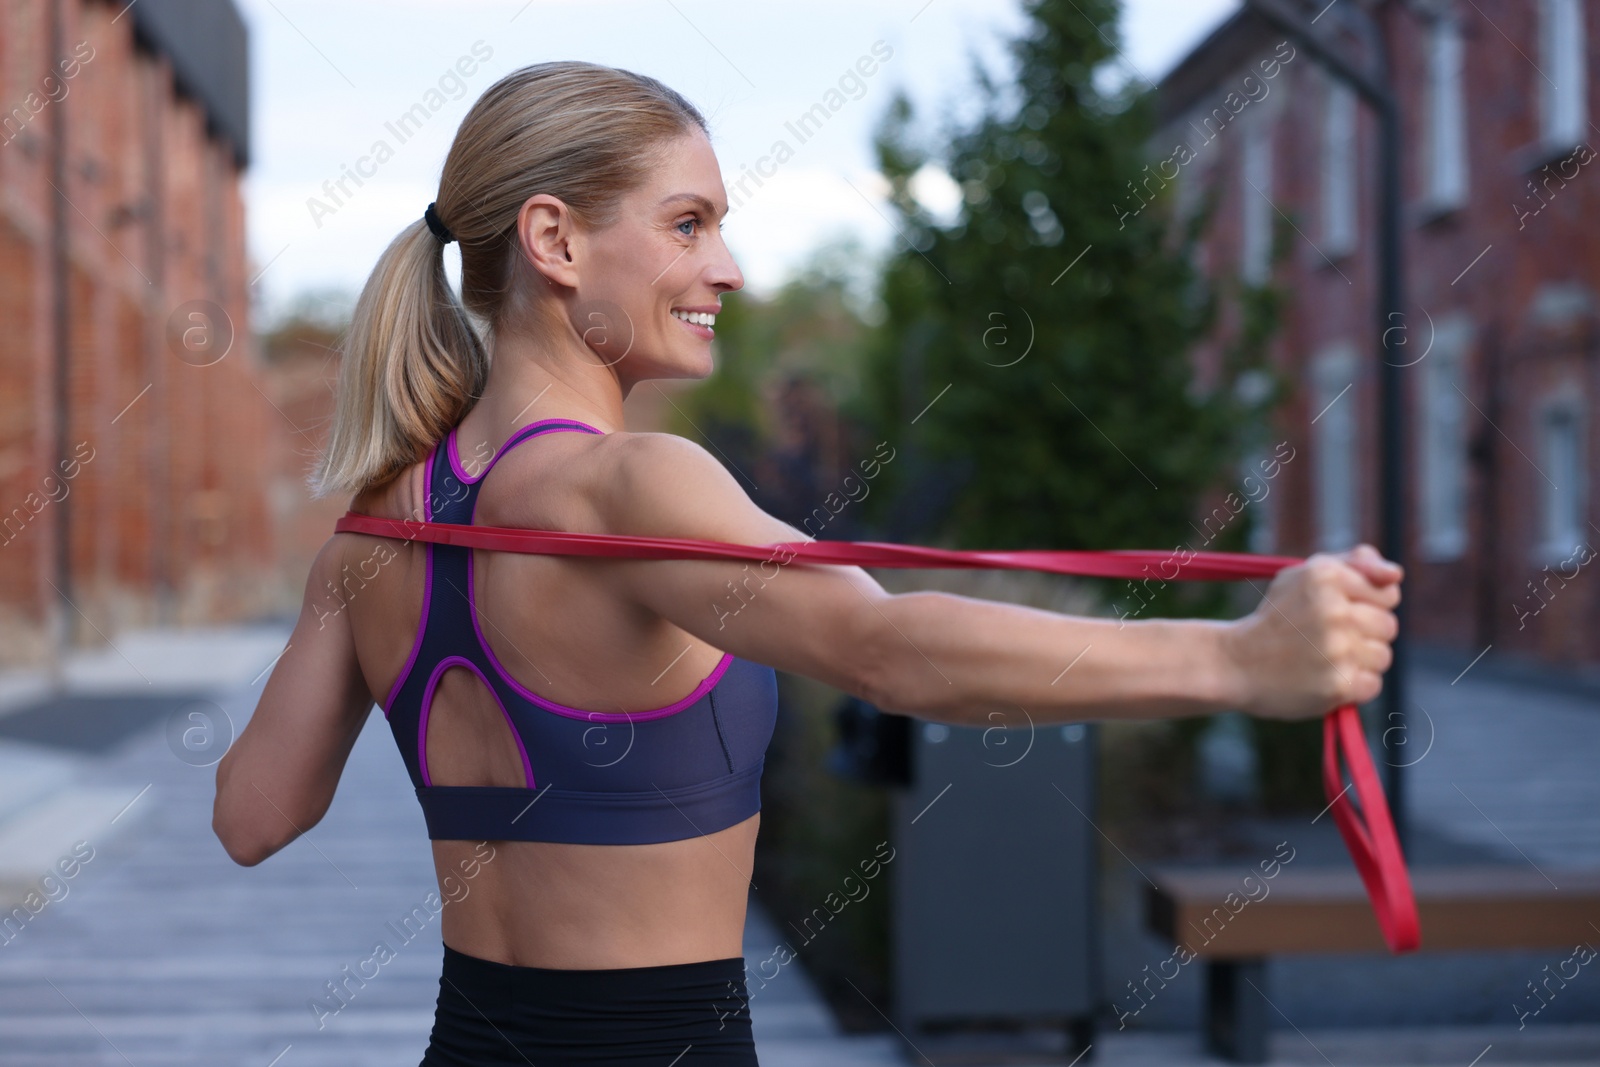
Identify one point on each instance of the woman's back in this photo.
(593, 694)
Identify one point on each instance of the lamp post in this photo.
(1375, 90)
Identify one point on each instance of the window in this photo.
(1563, 111)
(1338, 169)
(1333, 429)
(1443, 442)
(1255, 191)
(1562, 484)
(1447, 117)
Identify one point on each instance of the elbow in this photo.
(881, 669)
(240, 837)
(242, 846)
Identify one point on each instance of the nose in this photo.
(724, 273)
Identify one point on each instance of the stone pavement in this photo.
(158, 951)
(1513, 767)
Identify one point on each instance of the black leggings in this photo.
(674, 1015)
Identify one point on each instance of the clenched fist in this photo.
(1320, 636)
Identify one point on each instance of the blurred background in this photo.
(1275, 276)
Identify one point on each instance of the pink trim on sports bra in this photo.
(455, 456)
(427, 706)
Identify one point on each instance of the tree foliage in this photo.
(1049, 326)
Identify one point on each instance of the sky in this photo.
(327, 77)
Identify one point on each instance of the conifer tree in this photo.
(1035, 353)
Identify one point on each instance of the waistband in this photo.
(617, 1015)
(695, 980)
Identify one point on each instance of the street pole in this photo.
(1375, 91)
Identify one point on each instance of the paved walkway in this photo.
(158, 951)
(1511, 768)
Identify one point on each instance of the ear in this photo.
(547, 238)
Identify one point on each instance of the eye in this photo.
(693, 220)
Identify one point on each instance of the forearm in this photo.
(956, 659)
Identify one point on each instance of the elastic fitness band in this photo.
(1368, 832)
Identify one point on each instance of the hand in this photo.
(1320, 637)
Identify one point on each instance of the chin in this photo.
(692, 367)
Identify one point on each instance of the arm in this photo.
(278, 778)
(1320, 638)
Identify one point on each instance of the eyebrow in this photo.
(697, 199)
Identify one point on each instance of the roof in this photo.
(1226, 49)
(206, 42)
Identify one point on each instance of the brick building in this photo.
(1500, 187)
(136, 435)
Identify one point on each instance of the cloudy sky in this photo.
(326, 77)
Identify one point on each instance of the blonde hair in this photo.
(413, 363)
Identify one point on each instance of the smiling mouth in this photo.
(696, 318)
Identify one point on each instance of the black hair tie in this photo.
(436, 224)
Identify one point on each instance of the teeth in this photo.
(700, 318)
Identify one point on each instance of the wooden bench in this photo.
(1325, 909)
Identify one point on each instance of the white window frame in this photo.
(1446, 160)
(1256, 210)
(1335, 452)
(1563, 482)
(1562, 77)
(1339, 169)
(1444, 463)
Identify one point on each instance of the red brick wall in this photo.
(1469, 601)
(174, 497)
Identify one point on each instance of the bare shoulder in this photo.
(669, 486)
(401, 497)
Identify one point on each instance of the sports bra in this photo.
(681, 770)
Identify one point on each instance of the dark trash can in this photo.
(993, 925)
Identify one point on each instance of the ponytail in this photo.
(412, 367)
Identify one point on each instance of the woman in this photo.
(602, 722)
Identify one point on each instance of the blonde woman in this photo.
(586, 736)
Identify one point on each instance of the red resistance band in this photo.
(1368, 832)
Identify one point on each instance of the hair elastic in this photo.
(436, 224)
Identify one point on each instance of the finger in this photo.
(1374, 623)
(1370, 562)
(1373, 657)
(1356, 585)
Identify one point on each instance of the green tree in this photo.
(1049, 325)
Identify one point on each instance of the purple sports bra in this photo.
(612, 778)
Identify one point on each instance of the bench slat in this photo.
(1326, 910)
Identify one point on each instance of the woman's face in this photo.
(661, 264)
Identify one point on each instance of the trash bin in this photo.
(993, 924)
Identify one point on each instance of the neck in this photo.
(533, 379)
